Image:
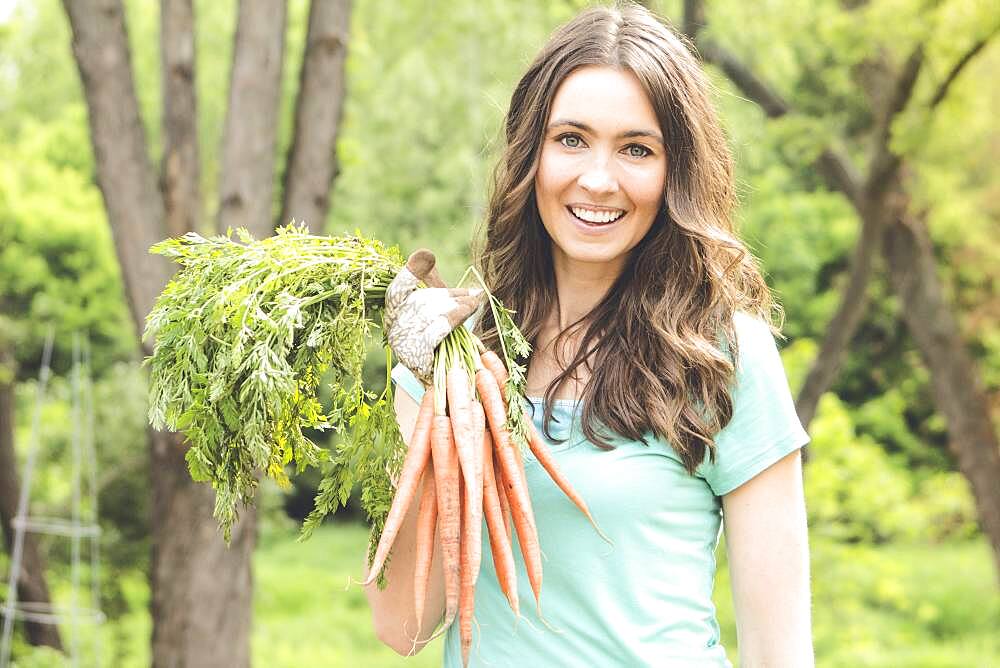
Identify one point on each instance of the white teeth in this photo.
(597, 216)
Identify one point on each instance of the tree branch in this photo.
(311, 164)
(835, 168)
(885, 162)
(978, 46)
(180, 167)
(125, 175)
(693, 20)
(746, 80)
(249, 136)
(907, 250)
(958, 389)
(878, 214)
(840, 175)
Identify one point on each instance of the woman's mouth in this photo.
(595, 222)
(594, 216)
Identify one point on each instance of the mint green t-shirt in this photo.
(646, 600)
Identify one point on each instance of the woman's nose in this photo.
(598, 179)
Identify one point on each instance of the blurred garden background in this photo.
(866, 136)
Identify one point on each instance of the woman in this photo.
(657, 377)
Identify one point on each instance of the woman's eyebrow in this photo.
(625, 135)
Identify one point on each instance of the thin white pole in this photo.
(22, 502)
(74, 652)
(90, 456)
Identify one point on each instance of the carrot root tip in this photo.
(600, 533)
(547, 623)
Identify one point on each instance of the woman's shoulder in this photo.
(747, 322)
(764, 425)
(753, 335)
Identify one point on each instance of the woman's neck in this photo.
(580, 286)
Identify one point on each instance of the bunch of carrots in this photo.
(464, 465)
(244, 333)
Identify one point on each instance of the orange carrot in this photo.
(476, 488)
(426, 522)
(417, 456)
(461, 420)
(493, 362)
(520, 462)
(446, 480)
(538, 448)
(472, 515)
(514, 480)
(479, 435)
(467, 579)
(501, 492)
(503, 554)
(548, 462)
(495, 365)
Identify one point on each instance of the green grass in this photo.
(918, 606)
(304, 612)
(912, 605)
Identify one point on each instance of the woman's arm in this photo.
(768, 548)
(392, 609)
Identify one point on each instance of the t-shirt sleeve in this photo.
(405, 379)
(764, 427)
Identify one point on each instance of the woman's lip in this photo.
(593, 230)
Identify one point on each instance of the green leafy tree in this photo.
(887, 52)
(143, 205)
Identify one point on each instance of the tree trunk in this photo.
(189, 557)
(202, 591)
(842, 326)
(31, 585)
(958, 392)
(311, 164)
(180, 167)
(250, 134)
(124, 175)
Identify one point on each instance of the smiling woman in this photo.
(653, 374)
(598, 190)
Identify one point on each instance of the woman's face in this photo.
(602, 169)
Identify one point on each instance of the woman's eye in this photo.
(638, 151)
(566, 139)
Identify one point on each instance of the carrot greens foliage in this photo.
(247, 331)
(514, 347)
(514, 350)
(244, 333)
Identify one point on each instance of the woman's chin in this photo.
(581, 256)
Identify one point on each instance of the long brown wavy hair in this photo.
(660, 346)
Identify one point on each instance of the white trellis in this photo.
(76, 527)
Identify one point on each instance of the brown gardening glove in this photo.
(418, 319)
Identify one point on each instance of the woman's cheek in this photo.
(549, 168)
(563, 168)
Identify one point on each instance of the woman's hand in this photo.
(417, 319)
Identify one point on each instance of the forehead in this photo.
(604, 98)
